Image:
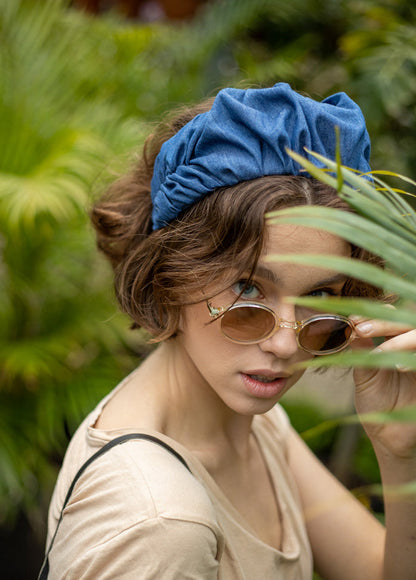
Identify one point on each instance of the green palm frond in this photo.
(389, 281)
(61, 346)
(384, 223)
(58, 186)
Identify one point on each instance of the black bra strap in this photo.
(43, 574)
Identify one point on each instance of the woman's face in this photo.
(250, 379)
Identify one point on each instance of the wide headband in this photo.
(245, 136)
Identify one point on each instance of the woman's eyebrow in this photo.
(264, 272)
(267, 274)
(335, 279)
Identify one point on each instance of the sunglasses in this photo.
(250, 323)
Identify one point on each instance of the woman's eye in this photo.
(323, 293)
(246, 290)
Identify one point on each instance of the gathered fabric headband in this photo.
(245, 136)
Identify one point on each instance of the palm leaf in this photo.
(403, 314)
(385, 279)
(360, 231)
(365, 359)
(383, 223)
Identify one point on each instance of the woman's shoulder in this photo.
(156, 482)
(138, 478)
(136, 490)
(134, 499)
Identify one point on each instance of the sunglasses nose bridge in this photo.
(287, 324)
(281, 323)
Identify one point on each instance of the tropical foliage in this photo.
(77, 95)
(384, 223)
(56, 350)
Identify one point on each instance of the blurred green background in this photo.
(80, 86)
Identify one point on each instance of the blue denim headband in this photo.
(245, 135)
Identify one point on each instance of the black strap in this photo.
(43, 574)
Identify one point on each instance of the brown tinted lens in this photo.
(247, 323)
(325, 334)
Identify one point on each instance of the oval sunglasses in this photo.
(251, 323)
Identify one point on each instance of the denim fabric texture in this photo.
(245, 136)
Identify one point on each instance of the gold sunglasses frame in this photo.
(279, 323)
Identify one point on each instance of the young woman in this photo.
(187, 237)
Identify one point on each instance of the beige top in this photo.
(138, 513)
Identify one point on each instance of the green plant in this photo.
(385, 224)
(61, 346)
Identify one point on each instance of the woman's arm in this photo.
(347, 541)
(394, 444)
(137, 513)
(157, 548)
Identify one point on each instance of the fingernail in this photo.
(365, 327)
(403, 369)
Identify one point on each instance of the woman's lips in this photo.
(264, 384)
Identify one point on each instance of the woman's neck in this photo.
(167, 394)
(193, 413)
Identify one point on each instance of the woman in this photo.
(187, 237)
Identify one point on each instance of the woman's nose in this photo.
(283, 342)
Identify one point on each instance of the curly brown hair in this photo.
(206, 249)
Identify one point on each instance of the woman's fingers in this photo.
(375, 328)
(398, 337)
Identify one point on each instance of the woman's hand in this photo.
(394, 442)
(387, 389)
